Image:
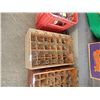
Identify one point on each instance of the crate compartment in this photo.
(65, 53)
(65, 60)
(37, 83)
(53, 39)
(60, 54)
(60, 58)
(40, 45)
(62, 73)
(41, 61)
(59, 47)
(59, 40)
(54, 54)
(60, 61)
(38, 77)
(64, 40)
(53, 47)
(48, 61)
(73, 75)
(63, 85)
(54, 61)
(64, 47)
(41, 54)
(40, 38)
(34, 45)
(51, 79)
(34, 62)
(70, 78)
(33, 37)
(47, 38)
(48, 54)
(34, 54)
(43, 76)
(57, 79)
(63, 78)
(68, 41)
(43, 83)
(51, 82)
(70, 58)
(47, 46)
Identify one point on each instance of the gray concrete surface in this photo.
(14, 28)
(83, 51)
(0, 49)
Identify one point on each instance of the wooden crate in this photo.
(45, 49)
(54, 77)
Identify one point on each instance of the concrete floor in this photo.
(0, 49)
(14, 27)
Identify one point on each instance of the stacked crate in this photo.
(45, 51)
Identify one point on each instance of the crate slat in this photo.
(45, 49)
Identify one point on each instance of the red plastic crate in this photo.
(46, 21)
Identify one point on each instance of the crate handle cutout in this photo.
(59, 23)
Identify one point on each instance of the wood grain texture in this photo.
(14, 27)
